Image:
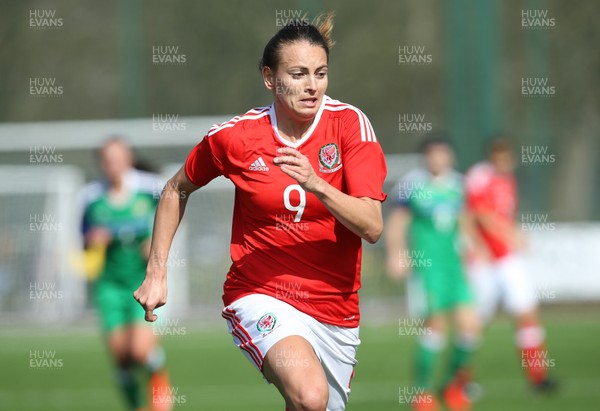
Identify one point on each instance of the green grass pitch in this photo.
(210, 374)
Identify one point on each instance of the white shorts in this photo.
(257, 322)
(504, 280)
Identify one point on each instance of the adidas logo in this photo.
(259, 165)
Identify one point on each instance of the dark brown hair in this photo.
(317, 33)
(498, 145)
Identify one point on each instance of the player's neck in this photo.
(503, 173)
(289, 128)
(117, 192)
(440, 175)
(117, 185)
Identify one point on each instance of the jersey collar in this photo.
(309, 132)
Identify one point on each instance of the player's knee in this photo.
(121, 357)
(138, 353)
(469, 325)
(139, 356)
(123, 360)
(437, 323)
(311, 397)
(528, 318)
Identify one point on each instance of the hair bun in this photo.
(324, 23)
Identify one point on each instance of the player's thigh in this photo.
(467, 320)
(464, 312)
(439, 295)
(425, 295)
(518, 291)
(117, 341)
(483, 283)
(416, 296)
(437, 322)
(336, 348)
(110, 305)
(259, 322)
(111, 308)
(142, 341)
(293, 367)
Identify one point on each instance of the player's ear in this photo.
(268, 78)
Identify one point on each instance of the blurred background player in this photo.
(495, 270)
(118, 220)
(423, 238)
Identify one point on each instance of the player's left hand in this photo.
(296, 165)
(519, 240)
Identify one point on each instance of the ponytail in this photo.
(318, 33)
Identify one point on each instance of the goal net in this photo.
(37, 238)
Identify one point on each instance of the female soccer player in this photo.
(430, 214)
(498, 275)
(308, 172)
(118, 218)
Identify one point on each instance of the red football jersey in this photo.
(488, 191)
(284, 242)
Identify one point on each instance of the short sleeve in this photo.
(362, 157)
(402, 193)
(407, 185)
(87, 196)
(86, 221)
(204, 162)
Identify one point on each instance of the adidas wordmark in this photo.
(259, 165)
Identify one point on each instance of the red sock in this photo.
(534, 363)
(534, 356)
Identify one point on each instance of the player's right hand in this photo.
(151, 295)
(98, 237)
(398, 268)
(478, 252)
(519, 240)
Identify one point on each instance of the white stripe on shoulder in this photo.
(366, 130)
(329, 100)
(374, 138)
(253, 114)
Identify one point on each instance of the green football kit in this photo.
(438, 283)
(130, 225)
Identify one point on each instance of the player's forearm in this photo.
(169, 213)
(493, 226)
(395, 232)
(362, 216)
(468, 229)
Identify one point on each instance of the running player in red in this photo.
(498, 274)
(308, 172)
